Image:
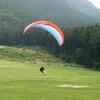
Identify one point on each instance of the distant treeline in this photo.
(82, 44)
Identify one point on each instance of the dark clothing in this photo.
(42, 69)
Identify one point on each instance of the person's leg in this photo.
(44, 72)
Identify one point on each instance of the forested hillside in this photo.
(82, 45)
(82, 34)
(57, 11)
(84, 6)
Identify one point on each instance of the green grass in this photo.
(23, 81)
(30, 55)
(20, 78)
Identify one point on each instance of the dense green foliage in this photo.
(55, 10)
(82, 44)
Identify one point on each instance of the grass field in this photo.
(23, 81)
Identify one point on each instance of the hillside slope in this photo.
(84, 6)
(57, 11)
(28, 55)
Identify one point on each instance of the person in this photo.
(42, 70)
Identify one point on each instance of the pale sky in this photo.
(96, 3)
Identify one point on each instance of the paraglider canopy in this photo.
(50, 27)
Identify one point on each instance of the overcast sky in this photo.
(96, 3)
